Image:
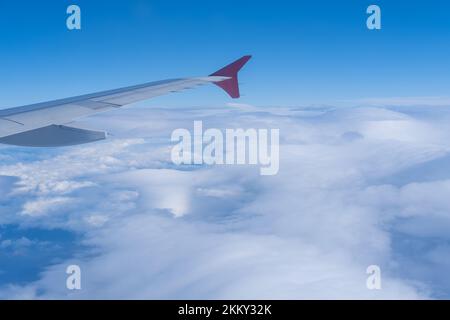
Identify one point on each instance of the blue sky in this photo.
(362, 185)
(305, 52)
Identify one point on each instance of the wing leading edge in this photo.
(43, 124)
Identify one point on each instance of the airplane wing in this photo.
(45, 124)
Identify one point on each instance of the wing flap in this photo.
(8, 126)
(54, 136)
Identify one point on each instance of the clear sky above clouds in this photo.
(305, 52)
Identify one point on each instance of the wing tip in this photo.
(231, 86)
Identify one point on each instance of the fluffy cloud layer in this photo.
(356, 187)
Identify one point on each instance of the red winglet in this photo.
(231, 86)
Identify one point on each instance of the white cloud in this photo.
(405, 101)
(161, 231)
(44, 206)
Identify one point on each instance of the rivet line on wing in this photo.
(10, 120)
